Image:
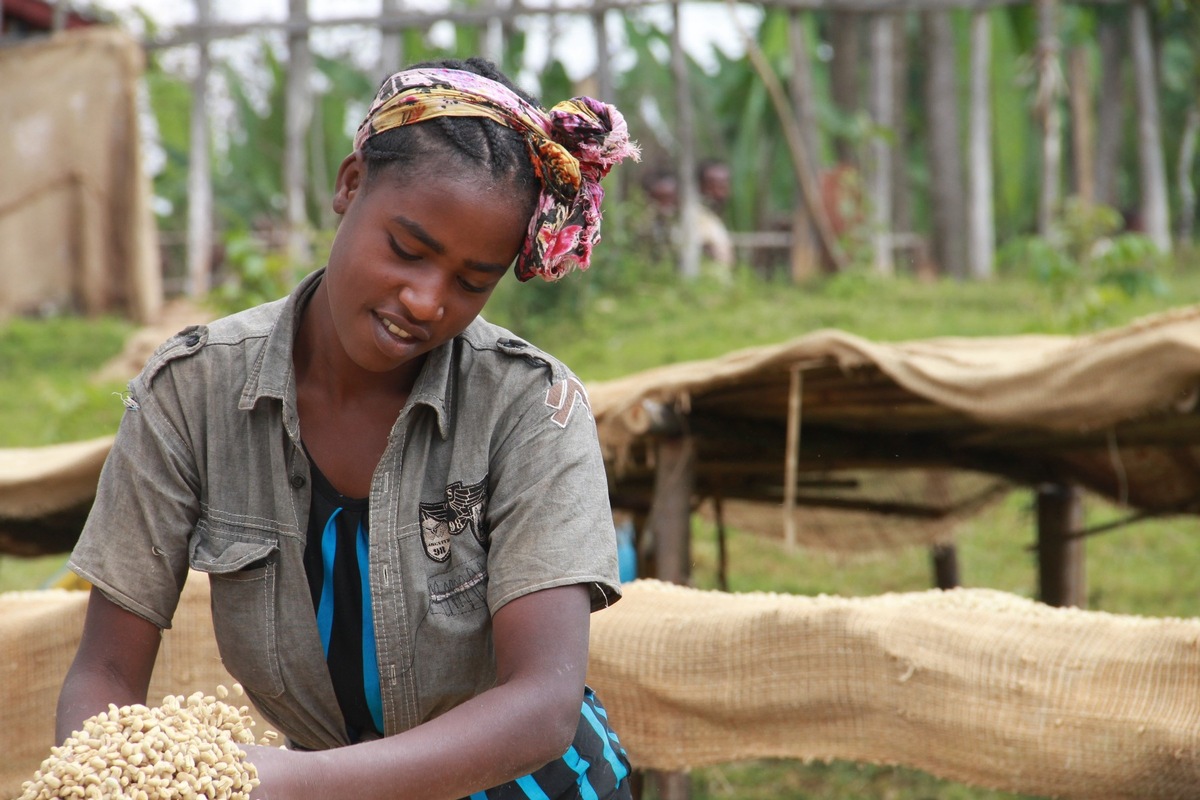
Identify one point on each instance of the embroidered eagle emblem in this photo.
(463, 508)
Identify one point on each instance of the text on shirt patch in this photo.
(563, 397)
(463, 508)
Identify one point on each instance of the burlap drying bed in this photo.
(913, 431)
(972, 685)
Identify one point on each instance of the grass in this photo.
(47, 393)
(604, 328)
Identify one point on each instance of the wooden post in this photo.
(199, 182)
(670, 525)
(1061, 567)
(945, 565)
(671, 508)
(722, 545)
(297, 118)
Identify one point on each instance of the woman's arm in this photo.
(113, 664)
(528, 719)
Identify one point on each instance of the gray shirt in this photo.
(492, 486)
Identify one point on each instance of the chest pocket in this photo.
(242, 566)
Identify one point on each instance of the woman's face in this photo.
(415, 258)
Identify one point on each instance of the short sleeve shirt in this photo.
(492, 486)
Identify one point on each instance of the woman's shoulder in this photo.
(510, 351)
(207, 346)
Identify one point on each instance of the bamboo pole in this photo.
(199, 183)
(791, 465)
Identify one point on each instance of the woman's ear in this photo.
(351, 176)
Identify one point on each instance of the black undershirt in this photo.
(345, 658)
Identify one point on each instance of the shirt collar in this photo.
(273, 373)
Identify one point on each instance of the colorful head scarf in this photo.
(572, 147)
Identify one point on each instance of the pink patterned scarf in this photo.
(572, 146)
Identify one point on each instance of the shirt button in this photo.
(297, 481)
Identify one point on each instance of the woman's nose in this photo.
(423, 299)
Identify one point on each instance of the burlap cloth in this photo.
(77, 232)
(973, 685)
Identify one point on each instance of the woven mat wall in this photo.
(973, 685)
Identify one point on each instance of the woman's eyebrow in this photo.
(420, 233)
(485, 266)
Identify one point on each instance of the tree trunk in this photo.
(1152, 178)
(902, 219)
(805, 256)
(882, 107)
(843, 75)
(199, 181)
(1109, 124)
(689, 255)
(1079, 91)
(981, 237)
(948, 189)
(297, 118)
(1046, 105)
(1187, 189)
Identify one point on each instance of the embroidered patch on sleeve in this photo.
(563, 396)
(463, 508)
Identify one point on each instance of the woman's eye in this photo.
(470, 287)
(401, 252)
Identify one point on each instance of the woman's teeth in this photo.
(392, 329)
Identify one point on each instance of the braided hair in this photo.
(470, 142)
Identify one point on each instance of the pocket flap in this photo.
(218, 556)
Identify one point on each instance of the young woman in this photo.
(402, 509)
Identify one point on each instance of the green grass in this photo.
(47, 392)
(605, 328)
